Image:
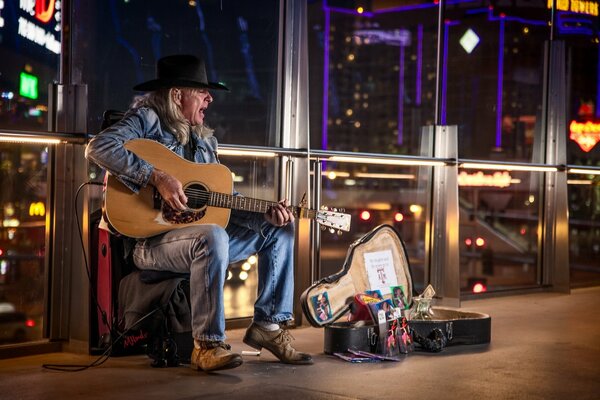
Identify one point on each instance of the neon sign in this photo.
(37, 209)
(40, 30)
(576, 6)
(28, 86)
(1, 19)
(497, 179)
(585, 134)
(43, 10)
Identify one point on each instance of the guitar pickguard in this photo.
(181, 217)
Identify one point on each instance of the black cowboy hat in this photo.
(182, 70)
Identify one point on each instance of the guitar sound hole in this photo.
(197, 195)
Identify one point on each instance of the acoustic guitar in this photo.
(208, 188)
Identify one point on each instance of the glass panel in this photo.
(583, 118)
(493, 78)
(23, 179)
(29, 50)
(372, 76)
(376, 195)
(237, 39)
(584, 229)
(255, 178)
(579, 30)
(499, 220)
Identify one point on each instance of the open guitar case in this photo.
(378, 250)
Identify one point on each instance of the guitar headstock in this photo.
(333, 219)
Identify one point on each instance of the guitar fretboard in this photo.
(223, 200)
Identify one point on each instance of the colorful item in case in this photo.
(359, 309)
(374, 293)
(398, 297)
(321, 306)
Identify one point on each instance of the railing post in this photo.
(444, 264)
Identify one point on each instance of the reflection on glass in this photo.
(583, 112)
(237, 40)
(375, 195)
(29, 50)
(584, 229)
(583, 135)
(256, 178)
(23, 179)
(499, 217)
(372, 74)
(493, 78)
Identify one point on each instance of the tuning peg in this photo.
(323, 228)
(331, 230)
(339, 232)
(342, 210)
(334, 209)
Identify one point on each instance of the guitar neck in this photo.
(223, 200)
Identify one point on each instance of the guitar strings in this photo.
(198, 194)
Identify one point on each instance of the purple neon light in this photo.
(401, 98)
(598, 87)
(370, 14)
(419, 64)
(500, 85)
(325, 116)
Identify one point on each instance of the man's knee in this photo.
(213, 241)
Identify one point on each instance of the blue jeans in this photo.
(205, 251)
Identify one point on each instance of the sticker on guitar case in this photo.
(398, 297)
(381, 271)
(321, 306)
(375, 294)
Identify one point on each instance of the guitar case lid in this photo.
(375, 263)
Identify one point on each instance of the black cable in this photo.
(85, 259)
(106, 354)
(102, 358)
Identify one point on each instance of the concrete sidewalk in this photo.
(544, 346)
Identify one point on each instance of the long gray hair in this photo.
(170, 114)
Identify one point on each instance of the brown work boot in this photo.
(278, 342)
(212, 356)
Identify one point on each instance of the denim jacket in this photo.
(106, 150)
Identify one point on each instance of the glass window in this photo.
(499, 225)
(375, 195)
(117, 45)
(23, 178)
(29, 50)
(579, 31)
(372, 76)
(583, 113)
(254, 178)
(492, 78)
(584, 229)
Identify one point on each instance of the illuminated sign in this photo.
(28, 86)
(394, 37)
(44, 10)
(497, 179)
(1, 8)
(37, 208)
(576, 6)
(585, 134)
(45, 22)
